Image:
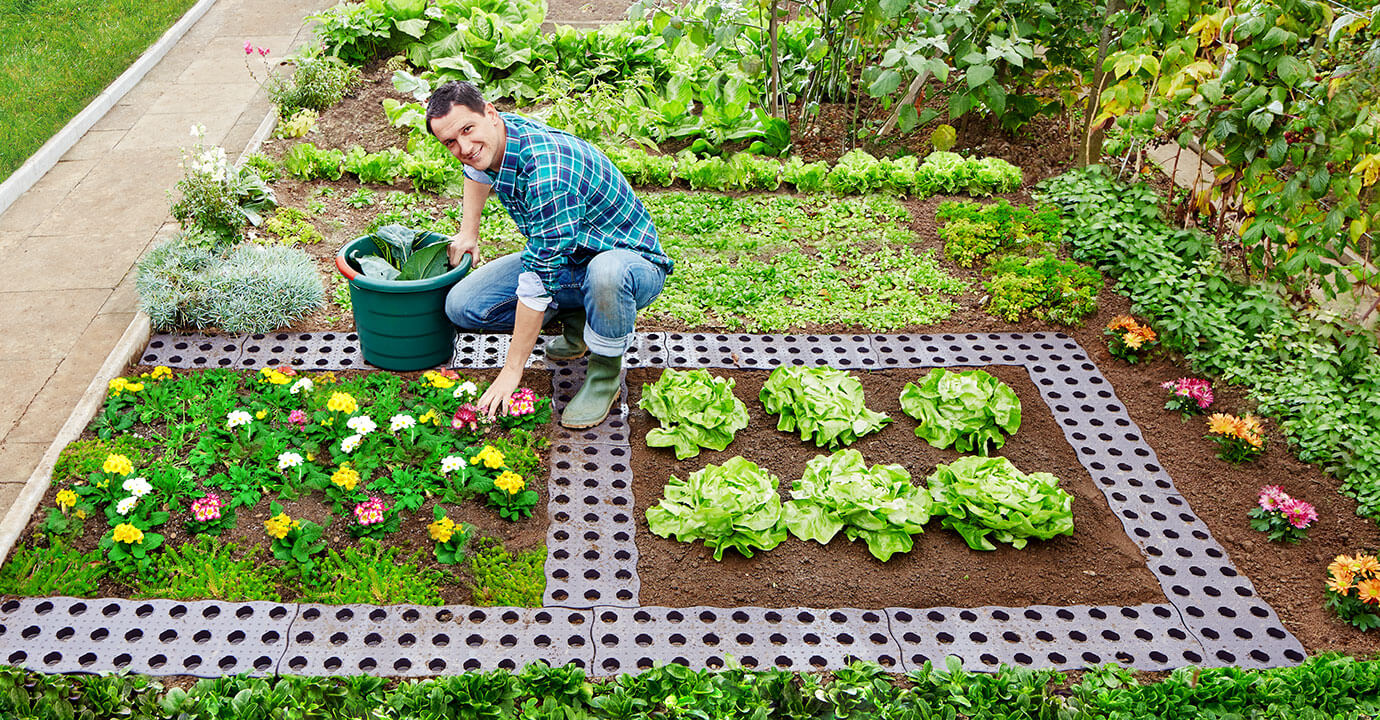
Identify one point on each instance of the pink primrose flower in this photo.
(206, 508)
(370, 512)
(522, 402)
(297, 417)
(466, 418)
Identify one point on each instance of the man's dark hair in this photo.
(449, 95)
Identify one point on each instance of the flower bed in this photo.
(363, 487)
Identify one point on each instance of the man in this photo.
(592, 259)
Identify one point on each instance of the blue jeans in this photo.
(611, 288)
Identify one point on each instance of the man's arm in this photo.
(472, 207)
(526, 326)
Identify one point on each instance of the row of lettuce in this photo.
(1327, 686)
(1318, 376)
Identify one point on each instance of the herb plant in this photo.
(695, 409)
(878, 504)
(733, 505)
(824, 404)
(988, 499)
(970, 411)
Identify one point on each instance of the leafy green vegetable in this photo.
(402, 255)
(839, 492)
(695, 409)
(982, 497)
(823, 403)
(967, 410)
(733, 505)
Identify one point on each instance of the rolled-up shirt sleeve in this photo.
(553, 226)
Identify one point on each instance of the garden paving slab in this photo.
(111, 195)
(23, 380)
(48, 263)
(52, 405)
(17, 462)
(41, 326)
(135, 102)
(93, 145)
(206, 100)
(156, 131)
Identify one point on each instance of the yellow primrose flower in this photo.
(346, 477)
(510, 482)
(160, 372)
(326, 378)
(278, 526)
(342, 402)
(134, 387)
(119, 385)
(81, 514)
(261, 414)
(126, 533)
(429, 417)
(272, 376)
(311, 457)
(441, 530)
(66, 499)
(117, 464)
(490, 456)
(437, 380)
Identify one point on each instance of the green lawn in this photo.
(57, 55)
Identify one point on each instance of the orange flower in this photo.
(1123, 322)
(1340, 583)
(1221, 424)
(1340, 564)
(1369, 591)
(1368, 564)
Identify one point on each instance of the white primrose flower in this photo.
(350, 444)
(124, 506)
(361, 424)
(401, 422)
(137, 486)
(451, 463)
(238, 418)
(302, 385)
(288, 460)
(465, 389)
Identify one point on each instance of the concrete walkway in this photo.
(71, 241)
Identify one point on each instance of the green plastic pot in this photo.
(402, 325)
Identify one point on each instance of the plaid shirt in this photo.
(569, 200)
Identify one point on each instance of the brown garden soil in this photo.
(1289, 577)
(412, 537)
(1097, 565)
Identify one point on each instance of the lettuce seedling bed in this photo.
(1098, 565)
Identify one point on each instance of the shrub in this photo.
(1046, 288)
(247, 289)
(318, 83)
(217, 197)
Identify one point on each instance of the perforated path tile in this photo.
(593, 616)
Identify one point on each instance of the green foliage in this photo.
(973, 231)
(824, 404)
(302, 122)
(968, 411)
(217, 197)
(695, 410)
(1318, 378)
(380, 167)
(318, 83)
(503, 579)
(262, 164)
(733, 505)
(981, 497)
(246, 289)
(58, 569)
(1326, 685)
(403, 254)
(210, 569)
(292, 227)
(83, 457)
(374, 575)
(361, 198)
(308, 162)
(878, 504)
(1045, 287)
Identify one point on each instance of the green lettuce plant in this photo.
(695, 409)
(986, 499)
(824, 404)
(308, 162)
(734, 505)
(878, 504)
(968, 410)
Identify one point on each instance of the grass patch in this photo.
(771, 262)
(210, 569)
(57, 55)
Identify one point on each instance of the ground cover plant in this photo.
(250, 485)
(1328, 685)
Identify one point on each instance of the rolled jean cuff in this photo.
(608, 347)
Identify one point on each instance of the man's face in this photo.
(475, 139)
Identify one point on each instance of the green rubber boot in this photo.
(592, 403)
(571, 344)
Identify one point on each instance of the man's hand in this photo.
(459, 247)
(500, 393)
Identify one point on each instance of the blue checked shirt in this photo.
(571, 203)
